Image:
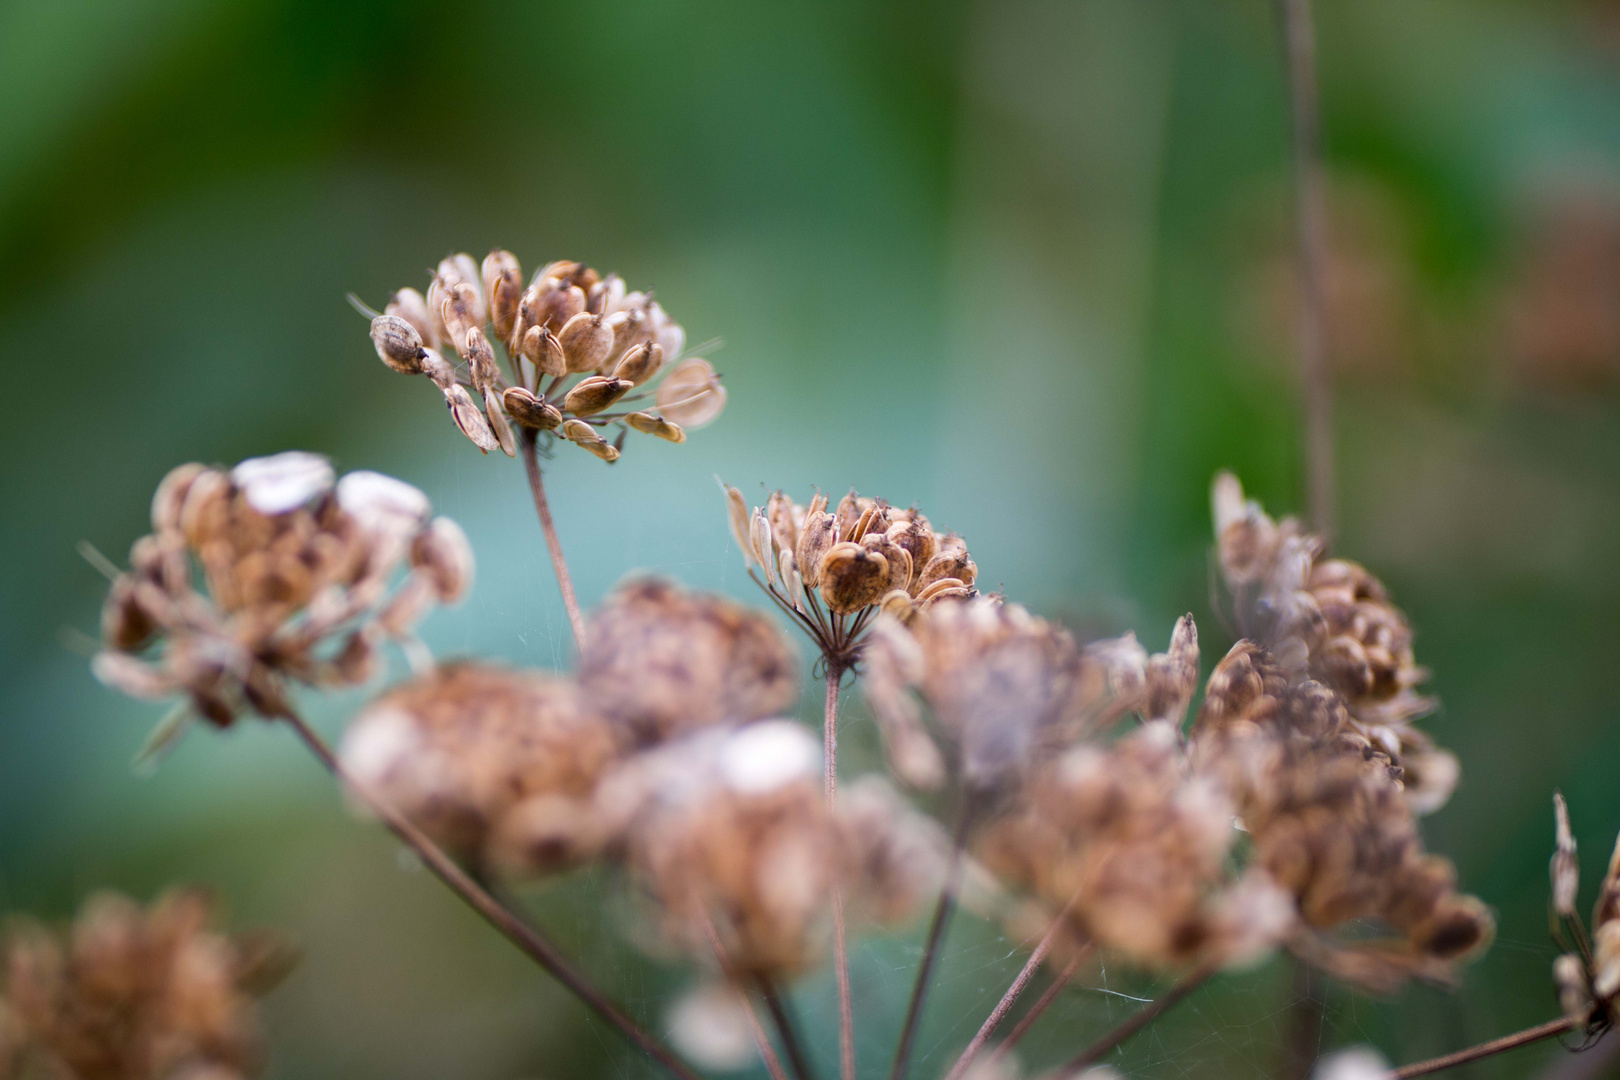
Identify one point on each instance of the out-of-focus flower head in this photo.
(1334, 620)
(833, 571)
(133, 994)
(578, 346)
(268, 573)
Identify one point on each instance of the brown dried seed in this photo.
(594, 394)
(170, 496)
(503, 288)
(398, 343)
(935, 588)
(531, 411)
(460, 310)
(480, 358)
(898, 558)
(584, 435)
(640, 364)
(737, 515)
(585, 342)
(917, 537)
(648, 424)
(691, 394)
(544, 351)
(497, 421)
(950, 563)
(1565, 868)
(815, 539)
(559, 303)
(440, 370)
(443, 554)
(410, 305)
(469, 419)
(852, 577)
(898, 603)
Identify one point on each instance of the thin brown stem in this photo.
(846, 1007)
(565, 584)
(1486, 1049)
(1048, 996)
(762, 1042)
(1138, 1020)
(936, 934)
(1316, 393)
(530, 941)
(785, 1029)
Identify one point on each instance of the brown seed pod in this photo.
(544, 351)
(480, 358)
(531, 411)
(648, 424)
(503, 288)
(399, 344)
(819, 534)
(497, 421)
(640, 364)
(410, 305)
(917, 537)
(691, 394)
(898, 558)
(594, 394)
(852, 577)
(469, 419)
(950, 563)
(444, 555)
(582, 434)
(461, 311)
(585, 341)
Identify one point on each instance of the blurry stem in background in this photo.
(762, 1042)
(846, 1007)
(1316, 393)
(936, 934)
(1140, 1019)
(1486, 1049)
(565, 584)
(784, 1028)
(1303, 1041)
(1048, 996)
(525, 937)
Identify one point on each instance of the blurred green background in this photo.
(1024, 263)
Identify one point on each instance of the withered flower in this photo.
(660, 661)
(1133, 849)
(1587, 975)
(270, 572)
(568, 323)
(1334, 619)
(833, 571)
(496, 764)
(1328, 821)
(132, 994)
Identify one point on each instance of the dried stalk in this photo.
(530, 941)
(1316, 394)
(936, 934)
(1042, 1003)
(762, 1042)
(1139, 1020)
(785, 1028)
(565, 584)
(846, 1008)
(1486, 1049)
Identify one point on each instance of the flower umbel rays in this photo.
(833, 571)
(268, 573)
(577, 345)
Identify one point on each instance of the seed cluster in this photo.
(274, 571)
(1587, 975)
(133, 994)
(576, 343)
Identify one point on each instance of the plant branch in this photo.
(1048, 996)
(530, 941)
(784, 1028)
(936, 933)
(1316, 393)
(1140, 1019)
(1486, 1049)
(565, 583)
(846, 1007)
(762, 1042)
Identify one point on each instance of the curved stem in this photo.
(936, 934)
(846, 1007)
(1486, 1049)
(1316, 392)
(1138, 1020)
(784, 1028)
(530, 941)
(1048, 996)
(565, 584)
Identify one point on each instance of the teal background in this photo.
(1022, 263)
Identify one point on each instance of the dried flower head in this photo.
(1328, 821)
(132, 994)
(1587, 978)
(1334, 619)
(481, 756)
(1134, 848)
(659, 661)
(270, 572)
(568, 323)
(833, 571)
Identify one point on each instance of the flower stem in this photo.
(784, 1028)
(762, 1042)
(1486, 1049)
(565, 584)
(525, 937)
(1139, 1020)
(1316, 393)
(846, 1008)
(936, 933)
(1048, 996)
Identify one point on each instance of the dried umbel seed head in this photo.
(523, 347)
(661, 661)
(1329, 822)
(298, 582)
(461, 751)
(132, 992)
(833, 572)
(1001, 685)
(1335, 620)
(1119, 678)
